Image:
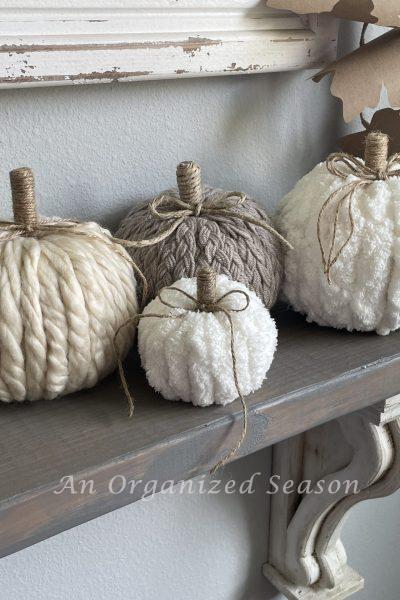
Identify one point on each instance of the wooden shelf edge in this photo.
(41, 513)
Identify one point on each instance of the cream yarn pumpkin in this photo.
(346, 275)
(196, 226)
(187, 355)
(65, 288)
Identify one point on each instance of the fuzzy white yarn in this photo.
(365, 290)
(190, 358)
(62, 297)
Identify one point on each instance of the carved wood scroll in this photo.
(307, 560)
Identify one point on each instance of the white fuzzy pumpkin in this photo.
(365, 291)
(189, 358)
(62, 297)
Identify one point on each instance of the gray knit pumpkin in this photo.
(206, 235)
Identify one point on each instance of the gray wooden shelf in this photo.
(318, 375)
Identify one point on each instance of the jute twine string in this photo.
(26, 222)
(23, 197)
(192, 203)
(188, 176)
(377, 166)
(206, 301)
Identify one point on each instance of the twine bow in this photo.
(206, 302)
(376, 167)
(167, 207)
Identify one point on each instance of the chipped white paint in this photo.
(42, 43)
(307, 560)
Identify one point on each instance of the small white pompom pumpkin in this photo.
(64, 291)
(360, 288)
(189, 358)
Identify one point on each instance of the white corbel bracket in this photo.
(307, 560)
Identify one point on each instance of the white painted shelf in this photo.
(49, 43)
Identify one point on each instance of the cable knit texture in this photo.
(190, 358)
(365, 290)
(243, 251)
(62, 297)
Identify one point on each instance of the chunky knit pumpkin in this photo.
(349, 277)
(187, 355)
(64, 291)
(207, 235)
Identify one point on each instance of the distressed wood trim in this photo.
(307, 560)
(66, 46)
(386, 411)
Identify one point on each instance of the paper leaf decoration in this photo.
(386, 120)
(358, 78)
(387, 12)
(381, 12)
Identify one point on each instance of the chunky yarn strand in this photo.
(343, 220)
(182, 240)
(66, 287)
(60, 307)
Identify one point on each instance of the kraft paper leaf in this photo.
(359, 77)
(386, 120)
(387, 12)
(381, 12)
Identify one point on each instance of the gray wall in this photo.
(98, 149)
(95, 151)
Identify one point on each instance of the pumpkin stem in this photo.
(206, 287)
(188, 175)
(377, 152)
(23, 197)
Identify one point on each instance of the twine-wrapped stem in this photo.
(377, 166)
(188, 176)
(377, 153)
(206, 288)
(23, 197)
